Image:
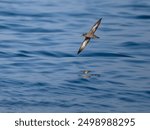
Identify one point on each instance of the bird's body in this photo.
(89, 35)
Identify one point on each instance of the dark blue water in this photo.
(40, 70)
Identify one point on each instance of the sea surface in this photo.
(40, 70)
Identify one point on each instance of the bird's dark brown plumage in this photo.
(89, 35)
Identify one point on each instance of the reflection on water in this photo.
(86, 74)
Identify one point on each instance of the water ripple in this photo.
(143, 17)
(99, 54)
(41, 71)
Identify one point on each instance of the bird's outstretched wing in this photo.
(95, 26)
(83, 45)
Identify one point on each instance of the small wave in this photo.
(115, 83)
(98, 54)
(54, 54)
(126, 99)
(130, 44)
(6, 55)
(21, 55)
(39, 30)
(143, 17)
(137, 45)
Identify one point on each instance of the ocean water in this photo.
(40, 70)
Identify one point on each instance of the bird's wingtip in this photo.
(78, 52)
(100, 19)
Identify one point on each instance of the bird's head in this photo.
(84, 34)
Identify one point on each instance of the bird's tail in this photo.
(95, 37)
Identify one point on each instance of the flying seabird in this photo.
(89, 35)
